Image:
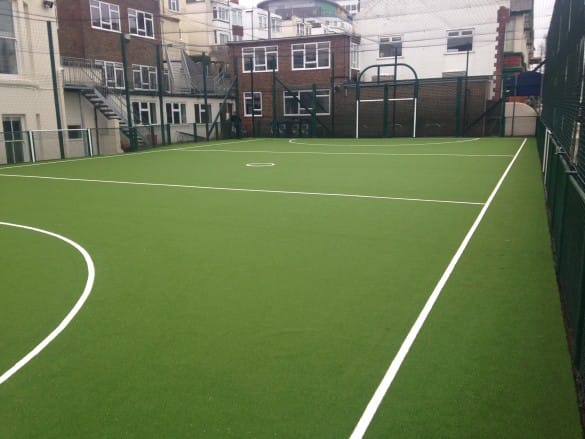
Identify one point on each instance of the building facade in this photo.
(449, 38)
(118, 47)
(26, 86)
(282, 80)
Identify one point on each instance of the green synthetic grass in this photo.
(222, 313)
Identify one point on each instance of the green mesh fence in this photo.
(562, 150)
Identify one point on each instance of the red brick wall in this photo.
(79, 40)
(503, 19)
(294, 79)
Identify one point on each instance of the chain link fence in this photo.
(562, 150)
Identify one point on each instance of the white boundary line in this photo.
(386, 146)
(112, 156)
(69, 317)
(386, 382)
(233, 189)
(248, 151)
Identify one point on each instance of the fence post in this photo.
(169, 140)
(385, 112)
(159, 73)
(195, 132)
(314, 113)
(55, 89)
(458, 108)
(207, 115)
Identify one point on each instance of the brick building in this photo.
(93, 35)
(308, 71)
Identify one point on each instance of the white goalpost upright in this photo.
(48, 144)
(413, 98)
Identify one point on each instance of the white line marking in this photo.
(259, 165)
(268, 191)
(205, 144)
(248, 151)
(112, 156)
(69, 317)
(386, 382)
(386, 146)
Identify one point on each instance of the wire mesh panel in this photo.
(61, 144)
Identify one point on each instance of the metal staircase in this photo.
(176, 66)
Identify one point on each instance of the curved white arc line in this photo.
(69, 317)
(398, 144)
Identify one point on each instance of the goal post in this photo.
(45, 144)
(412, 86)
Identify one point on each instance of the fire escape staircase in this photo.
(85, 76)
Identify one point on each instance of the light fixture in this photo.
(48, 4)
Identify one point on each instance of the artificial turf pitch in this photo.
(236, 301)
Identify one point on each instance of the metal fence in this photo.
(562, 150)
(43, 145)
(454, 106)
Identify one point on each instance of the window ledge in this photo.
(16, 82)
(460, 53)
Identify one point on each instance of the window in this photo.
(104, 15)
(292, 106)
(202, 114)
(261, 59)
(237, 17)
(74, 132)
(253, 105)
(113, 73)
(354, 54)
(8, 63)
(144, 77)
(13, 138)
(174, 5)
(140, 23)
(276, 24)
(310, 56)
(390, 46)
(459, 40)
(303, 29)
(176, 113)
(221, 13)
(144, 113)
(221, 37)
(262, 22)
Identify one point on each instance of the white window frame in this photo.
(11, 67)
(276, 24)
(202, 115)
(393, 42)
(260, 62)
(173, 5)
(459, 34)
(221, 38)
(310, 64)
(237, 17)
(321, 93)
(147, 77)
(107, 14)
(177, 112)
(221, 13)
(141, 20)
(117, 69)
(247, 98)
(144, 108)
(354, 55)
(262, 21)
